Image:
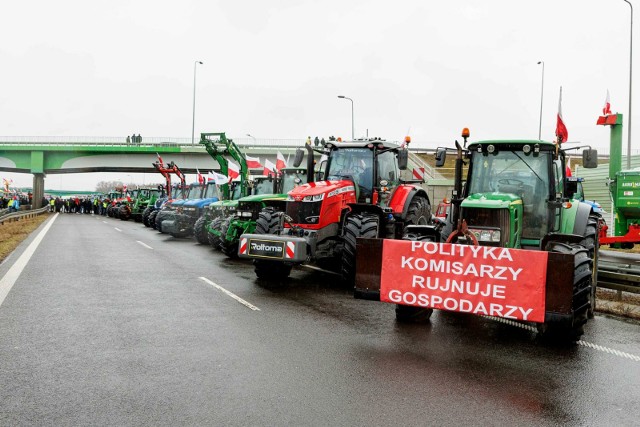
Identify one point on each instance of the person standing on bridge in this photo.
(128, 140)
(139, 139)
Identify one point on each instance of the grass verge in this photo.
(12, 233)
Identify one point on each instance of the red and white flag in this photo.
(218, 178)
(606, 110)
(234, 170)
(269, 168)
(200, 177)
(568, 171)
(561, 129)
(253, 162)
(280, 162)
(159, 159)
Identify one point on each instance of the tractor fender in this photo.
(402, 197)
(582, 218)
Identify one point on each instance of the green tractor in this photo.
(145, 197)
(516, 195)
(218, 145)
(243, 220)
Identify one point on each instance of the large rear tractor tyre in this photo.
(200, 231)
(125, 213)
(591, 242)
(228, 247)
(356, 225)
(145, 216)
(152, 219)
(572, 330)
(269, 223)
(213, 239)
(419, 212)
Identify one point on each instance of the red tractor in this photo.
(358, 193)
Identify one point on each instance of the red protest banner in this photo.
(482, 280)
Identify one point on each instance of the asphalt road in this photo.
(111, 323)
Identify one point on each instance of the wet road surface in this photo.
(111, 323)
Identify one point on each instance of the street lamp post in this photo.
(541, 98)
(352, 127)
(193, 116)
(630, 85)
(251, 136)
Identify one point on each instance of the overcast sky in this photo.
(274, 69)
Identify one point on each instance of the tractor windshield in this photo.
(355, 164)
(292, 179)
(263, 186)
(513, 172)
(211, 191)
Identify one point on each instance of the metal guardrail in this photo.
(23, 214)
(619, 277)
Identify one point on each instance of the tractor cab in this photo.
(372, 165)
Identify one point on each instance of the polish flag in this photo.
(606, 110)
(280, 162)
(269, 168)
(218, 178)
(234, 171)
(159, 158)
(253, 162)
(200, 177)
(561, 129)
(568, 171)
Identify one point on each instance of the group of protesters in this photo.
(14, 201)
(85, 205)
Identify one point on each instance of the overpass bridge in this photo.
(42, 156)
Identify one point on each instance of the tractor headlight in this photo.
(486, 235)
(244, 214)
(315, 198)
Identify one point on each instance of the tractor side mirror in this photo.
(298, 159)
(403, 159)
(441, 156)
(590, 159)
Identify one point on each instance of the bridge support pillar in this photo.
(38, 190)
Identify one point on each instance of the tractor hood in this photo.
(321, 187)
(491, 200)
(261, 197)
(200, 202)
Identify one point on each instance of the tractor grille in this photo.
(304, 212)
(478, 218)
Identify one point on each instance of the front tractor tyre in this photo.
(228, 247)
(200, 230)
(215, 239)
(269, 223)
(152, 219)
(145, 216)
(356, 225)
(411, 314)
(419, 212)
(572, 329)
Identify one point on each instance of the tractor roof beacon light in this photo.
(465, 135)
(407, 140)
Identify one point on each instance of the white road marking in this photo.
(9, 279)
(610, 350)
(231, 294)
(580, 342)
(104, 222)
(144, 244)
(117, 229)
